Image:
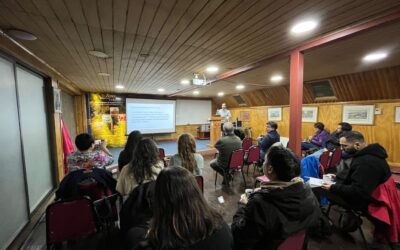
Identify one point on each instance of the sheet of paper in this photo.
(315, 182)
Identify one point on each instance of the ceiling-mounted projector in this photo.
(198, 81)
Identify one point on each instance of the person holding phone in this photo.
(90, 154)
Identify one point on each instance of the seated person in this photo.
(144, 167)
(182, 218)
(136, 213)
(88, 155)
(270, 138)
(332, 142)
(225, 146)
(318, 139)
(368, 169)
(187, 156)
(126, 155)
(281, 207)
(247, 133)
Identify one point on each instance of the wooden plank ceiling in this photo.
(154, 43)
(377, 84)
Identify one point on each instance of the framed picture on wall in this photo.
(397, 114)
(309, 114)
(57, 100)
(245, 116)
(274, 114)
(359, 114)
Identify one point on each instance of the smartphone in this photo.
(97, 142)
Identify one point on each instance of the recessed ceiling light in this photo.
(21, 35)
(221, 94)
(185, 82)
(212, 69)
(161, 90)
(240, 86)
(118, 98)
(98, 54)
(119, 86)
(304, 26)
(196, 92)
(103, 74)
(276, 78)
(375, 56)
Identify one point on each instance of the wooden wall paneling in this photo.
(80, 114)
(384, 131)
(54, 120)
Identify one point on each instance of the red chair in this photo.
(294, 242)
(161, 155)
(253, 157)
(324, 160)
(335, 159)
(246, 144)
(236, 163)
(200, 182)
(69, 220)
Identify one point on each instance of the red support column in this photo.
(296, 100)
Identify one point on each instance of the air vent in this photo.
(322, 90)
(239, 100)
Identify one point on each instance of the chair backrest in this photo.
(161, 153)
(93, 189)
(107, 209)
(335, 158)
(69, 220)
(284, 141)
(200, 182)
(324, 160)
(254, 154)
(246, 144)
(237, 159)
(294, 241)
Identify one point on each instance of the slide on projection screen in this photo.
(150, 116)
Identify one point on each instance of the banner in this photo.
(108, 118)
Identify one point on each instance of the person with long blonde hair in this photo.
(187, 156)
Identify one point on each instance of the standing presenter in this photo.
(224, 112)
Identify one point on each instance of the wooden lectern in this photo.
(215, 129)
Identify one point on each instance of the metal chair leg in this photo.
(244, 179)
(215, 184)
(363, 237)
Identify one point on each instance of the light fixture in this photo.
(304, 26)
(21, 34)
(98, 54)
(212, 69)
(220, 93)
(161, 90)
(196, 92)
(103, 74)
(118, 98)
(276, 78)
(119, 86)
(185, 82)
(240, 86)
(375, 56)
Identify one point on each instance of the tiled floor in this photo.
(231, 196)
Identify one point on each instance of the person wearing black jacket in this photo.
(368, 169)
(270, 138)
(283, 206)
